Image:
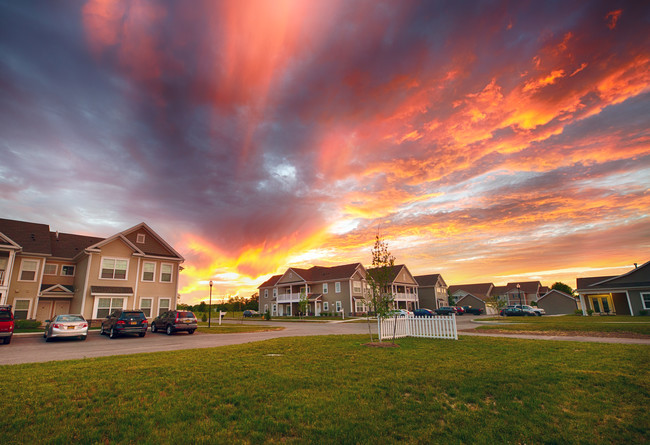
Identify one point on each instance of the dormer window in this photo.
(140, 238)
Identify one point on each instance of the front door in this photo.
(61, 307)
(43, 310)
(317, 311)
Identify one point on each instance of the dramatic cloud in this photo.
(488, 142)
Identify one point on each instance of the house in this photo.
(403, 287)
(524, 292)
(327, 289)
(432, 291)
(477, 301)
(45, 273)
(626, 294)
(478, 290)
(555, 302)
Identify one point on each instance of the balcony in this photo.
(405, 297)
(289, 298)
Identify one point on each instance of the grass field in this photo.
(234, 328)
(332, 389)
(573, 323)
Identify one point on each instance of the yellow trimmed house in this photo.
(44, 273)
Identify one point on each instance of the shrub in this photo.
(267, 315)
(643, 312)
(590, 312)
(204, 318)
(27, 324)
(577, 312)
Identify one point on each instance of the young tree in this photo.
(496, 302)
(303, 303)
(380, 279)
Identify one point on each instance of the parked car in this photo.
(251, 313)
(460, 310)
(125, 322)
(423, 312)
(67, 325)
(6, 324)
(400, 313)
(512, 311)
(538, 310)
(446, 310)
(473, 310)
(175, 321)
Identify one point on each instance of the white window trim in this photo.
(643, 300)
(150, 307)
(171, 274)
(266, 308)
(56, 269)
(101, 267)
(169, 307)
(337, 287)
(326, 306)
(274, 310)
(74, 270)
(96, 303)
(325, 288)
(266, 293)
(339, 306)
(29, 307)
(153, 278)
(24, 261)
(275, 292)
(140, 238)
(356, 290)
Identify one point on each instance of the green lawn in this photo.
(331, 389)
(573, 323)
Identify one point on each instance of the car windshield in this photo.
(132, 315)
(69, 318)
(186, 314)
(5, 316)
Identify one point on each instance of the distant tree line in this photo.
(236, 303)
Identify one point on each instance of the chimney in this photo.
(635, 266)
(57, 235)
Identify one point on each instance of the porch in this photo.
(612, 303)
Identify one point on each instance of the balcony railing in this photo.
(405, 297)
(289, 298)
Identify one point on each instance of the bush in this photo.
(643, 312)
(204, 318)
(577, 312)
(27, 324)
(590, 312)
(267, 315)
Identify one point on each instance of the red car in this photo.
(460, 310)
(6, 324)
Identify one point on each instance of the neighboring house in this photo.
(555, 302)
(404, 287)
(524, 292)
(477, 301)
(44, 273)
(432, 291)
(327, 289)
(458, 291)
(626, 294)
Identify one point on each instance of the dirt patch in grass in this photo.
(377, 344)
(563, 333)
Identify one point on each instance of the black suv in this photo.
(124, 322)
(172, 321)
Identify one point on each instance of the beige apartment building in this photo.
(45, 273)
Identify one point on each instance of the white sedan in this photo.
(68, 325)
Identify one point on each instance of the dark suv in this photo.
(6, 324)
(172, 321)
(125, 322)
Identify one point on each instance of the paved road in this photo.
(33, 349)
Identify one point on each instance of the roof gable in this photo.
(476, 288)
(556, 292)
(430, 280)
(270, 282)
(153, 243)
(528, 287)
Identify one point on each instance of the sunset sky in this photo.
(486, 141)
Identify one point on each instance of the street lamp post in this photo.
(210, 306)
(521, 306)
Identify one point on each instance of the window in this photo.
(326, 306)
(140, 238)
(325, 288)
(114, 269)
(275, 292)
(51, 269)
(163, 305)
(356, 286)
(646, 300)
(266, 293)
(67, 271)
(266, 308)
(337, 287)
(105, 306)
(338, 306)
(28, 270)
(148, 271)
(21, 309)
(275, 309)
(165, 273)
(288, 314)
(145, 306)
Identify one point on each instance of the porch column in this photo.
(582, 305)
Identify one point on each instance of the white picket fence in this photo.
(438, 326)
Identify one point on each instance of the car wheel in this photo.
(48, 338)
(45, 334)
(83, 337)
(102, 331)
(169, 329)
(142, 334)
(191, 331)
(7, 340)
(112, 334)
(154, 329)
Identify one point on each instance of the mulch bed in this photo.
(563, 333)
